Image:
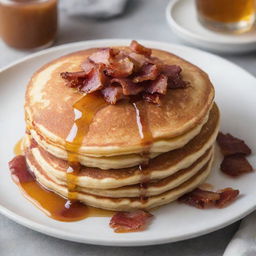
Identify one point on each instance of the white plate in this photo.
(182, 18)
(235, 95)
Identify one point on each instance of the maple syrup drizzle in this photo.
(18, 148)
(84, 111)
(53, 205)
(146, 141)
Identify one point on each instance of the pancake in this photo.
(121, 161)
(114, 130)
(126, 203)
(158, 168)
(153, 187)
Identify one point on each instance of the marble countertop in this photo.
(143, 19)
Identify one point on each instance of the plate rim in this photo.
(54, 232)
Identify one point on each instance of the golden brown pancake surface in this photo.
(49, 108)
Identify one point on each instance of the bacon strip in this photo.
(133, 70)
(103, 55)
(130, 221)
(120, 68)
(173, 72)
(87, 66)
(139, 60)
(200, 198)
(147, 72)
(129, 88)
(136, 47)
(204, 199)
(94, 81)
(74, 79)
(159, 85)
(235, 165)
(112, 94)
(19, 170)
(227, 196)
(231, 145)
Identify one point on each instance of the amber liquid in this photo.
(18, 150)
(60, 208)
(146, 141)
(84, 111)
(28, 24)
(53, 205)
(226, 12)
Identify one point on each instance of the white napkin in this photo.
(244, 241)
(93, 8)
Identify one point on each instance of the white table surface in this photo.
(143, 19)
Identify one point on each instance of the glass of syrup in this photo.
(235, 16)
(28, 24)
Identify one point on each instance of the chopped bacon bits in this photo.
(123, 222)
(231, 145)
(19, 170)
(135, 71)
(205, 199)
(235, 165)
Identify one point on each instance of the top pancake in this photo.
(49, 108)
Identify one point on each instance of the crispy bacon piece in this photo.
(136, 47)
(200, 198)
(134, 70)
(120, 68)
(227, 196)
(130, 221)
(139, 60)
(148, 72)
(112, 94)
(103, 55)
(173, 72)
(152, 98)
(19, 169)
(129, 88)
(87, 66)
(74, 79)
(95, 80)
(235, 165)
(204, 199)
(159, 85)
(231, 145)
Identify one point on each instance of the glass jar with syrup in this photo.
(28, 24)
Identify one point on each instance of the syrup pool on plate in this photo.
(50, 203)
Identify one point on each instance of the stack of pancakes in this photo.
(112, 173)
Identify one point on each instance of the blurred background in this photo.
(80, 20)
